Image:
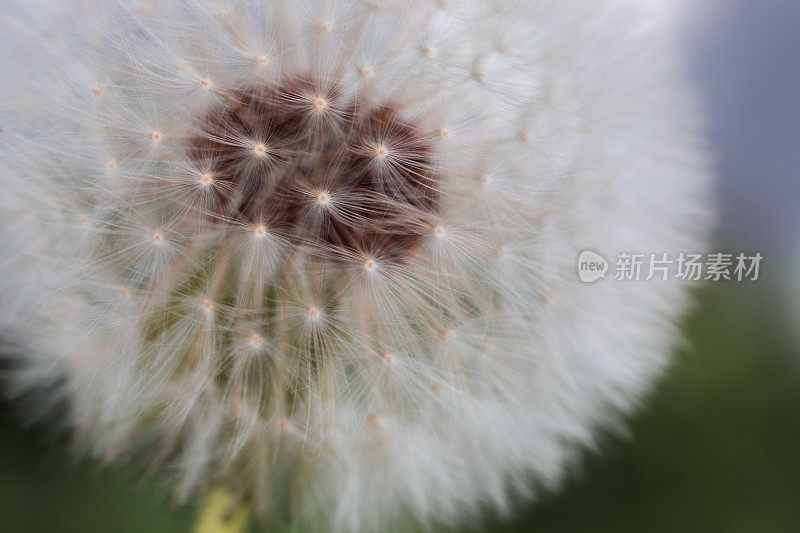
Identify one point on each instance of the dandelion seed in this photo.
(381, 152)
(206, 179)
(256, 340)
(260, 149)
(237, 407)
(319, 103)
(374, 5)
(323, 198)
(365, 72)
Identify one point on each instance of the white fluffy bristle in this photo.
(328, 248)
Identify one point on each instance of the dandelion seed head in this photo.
(344, 260)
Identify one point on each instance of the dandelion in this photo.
(320, 255)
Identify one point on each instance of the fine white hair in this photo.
(416, 342)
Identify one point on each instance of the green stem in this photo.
(221, 513)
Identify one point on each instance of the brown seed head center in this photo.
(329, 146)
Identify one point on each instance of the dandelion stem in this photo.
(222, 513)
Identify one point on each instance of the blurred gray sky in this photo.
(745, 55)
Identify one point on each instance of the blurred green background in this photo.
(714, 449)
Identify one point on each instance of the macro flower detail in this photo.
(322, 254)
(348, 178)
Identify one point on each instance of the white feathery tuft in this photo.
(322, 253)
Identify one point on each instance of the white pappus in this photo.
(323, 253)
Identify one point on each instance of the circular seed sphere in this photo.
(323, 254)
